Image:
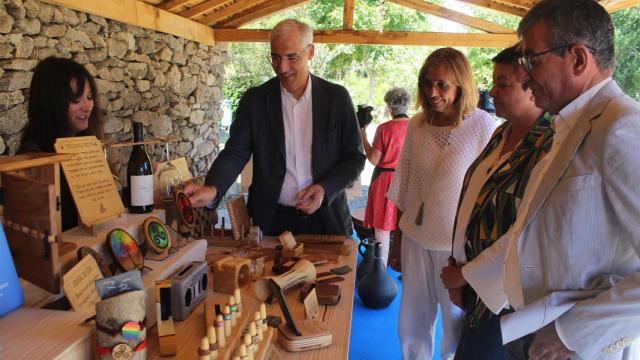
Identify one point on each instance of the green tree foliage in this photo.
(368, 71)
(627, 74)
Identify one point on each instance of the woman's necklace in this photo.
(436, 172)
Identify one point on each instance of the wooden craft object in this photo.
(125, 250)
(328, 249)
(315, 335)
(230, 273)
(33, 227)
(321, 239)
(296, 252)
(239, 216)
(287, 240)
(327, 294)
(90, 181)
(166, 330)
(157, 238)
(173, 223)
(227, 344)
(303, 271)
(257, 267)
(85, 251)
(205, 220)
(120, 327)
(265, 344)
(185, 209)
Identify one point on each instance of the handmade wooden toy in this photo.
(213, 343)
(230, 273)
(238, 299)
(203, 351)
(166, 330)
(239, 216)
(303, 271)
(220, 334)
(226, 316)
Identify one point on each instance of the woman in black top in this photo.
(62, 103)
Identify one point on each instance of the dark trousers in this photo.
(482, 341)
(288, 218)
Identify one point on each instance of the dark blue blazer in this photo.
(336, 153)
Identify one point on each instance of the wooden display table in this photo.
(48, 334)
(338, 318)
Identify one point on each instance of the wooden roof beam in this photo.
(455, 16)
(617, 5)
(523, 4)
(202, 8)
(270, 7)
(347, 17)
(379, 38)
(229, 11)
(138, 13)
(171, 5)
(492, 5)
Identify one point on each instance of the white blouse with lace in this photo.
(431, 171)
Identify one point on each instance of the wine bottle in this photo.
(139, 175)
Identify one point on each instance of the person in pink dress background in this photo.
(384, 153)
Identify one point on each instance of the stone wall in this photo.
(171, 85)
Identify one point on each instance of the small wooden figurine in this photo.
(213, 343)
(219, 325)
(203, 351)
(236, 295)
(230, 273)
(226, 316)
(234, 310)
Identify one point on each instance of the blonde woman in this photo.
(443, 139)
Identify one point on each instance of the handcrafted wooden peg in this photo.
(253, 331)
(263, 316)
(219, 325)
(203, 350)
(213, 343)
(248, 343)
(226, 316)
(234, 310)
(257, 320)
(238, 299)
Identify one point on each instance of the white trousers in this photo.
(422, 292)
(384, 236)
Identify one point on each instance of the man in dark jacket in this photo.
(303, 135)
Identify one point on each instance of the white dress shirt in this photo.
(297, 116)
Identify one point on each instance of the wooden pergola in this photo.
(215, 21)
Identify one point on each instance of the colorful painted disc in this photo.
(185, 208)
(131, 330)
(125, 250)
(122, 351)
(156, 234)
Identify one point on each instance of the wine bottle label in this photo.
(141, 190)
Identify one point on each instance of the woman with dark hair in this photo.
(384, 153)
(61, 104)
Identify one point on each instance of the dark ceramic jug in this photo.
(365, 265)
(377, 289)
